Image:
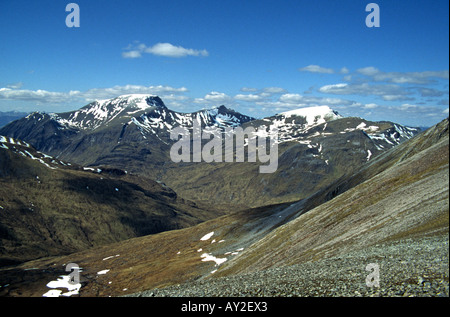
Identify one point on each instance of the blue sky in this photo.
(258, 57)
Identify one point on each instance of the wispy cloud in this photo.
(421, 78)
(39, 96)
(316, 69)
(214, 98)
(15, 85)
(386, 92)
(50, 97)
(395, 102)
(161, 49)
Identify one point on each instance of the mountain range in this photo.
(132, 132)
(97, 187)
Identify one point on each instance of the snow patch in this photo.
(207, 236)
(208, 257)
(110, 257)
(62, 282)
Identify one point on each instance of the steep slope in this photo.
(403, 194)
(51, 207)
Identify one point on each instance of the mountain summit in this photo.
(314, 115)
(101, 112)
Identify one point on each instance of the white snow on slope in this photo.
(313, 115)
(291, 129)
(208, 257)
(62, 282)
(101, 112)
(207, 236)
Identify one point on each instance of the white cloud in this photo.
(274, 90)
(316, 69)
(15, 85)
(344, 70)
(49, 97)
(250, 97)
(161, 49)
(259, 95)
(290, 101)
(213, 98)
(248, 89)
(217, 96)
(36, 95)
(342, 89)
(291, 98)
(368, 71)
(111, 92)
(132, 54)
(387, 92)
(407, 107)
(169, 50)
(370, 106)
(420, 78)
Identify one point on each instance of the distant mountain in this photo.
(297, 125)
(7, 117)
(132, 132)
(49, 207)
(316, 146)
(140, 124)
(145, 111)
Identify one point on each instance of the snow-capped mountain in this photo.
(102, 112)
(162, 119)
(132, 133)
(147, 112)
(305, 124)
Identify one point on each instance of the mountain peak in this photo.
(100, 112)
(312, 115)
(323, 111)
(131, 101)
